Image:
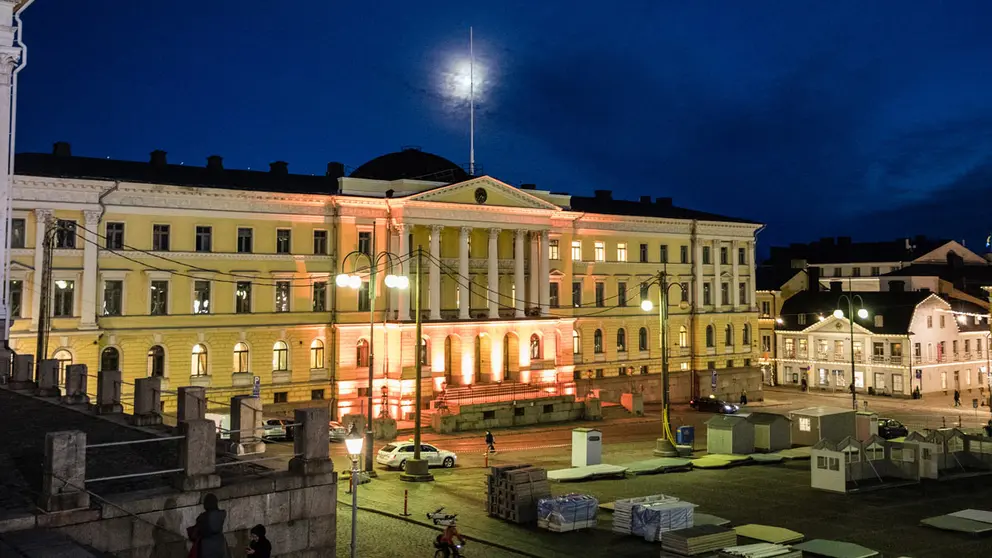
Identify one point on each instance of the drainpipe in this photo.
(333, 337)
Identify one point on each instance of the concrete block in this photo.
(322, 533)
(246, 425)
(593, 409)
(311, 443)
(64, 472)
(444, 424)
(633, 402)
(384, 428)
(75, 385)
(147, 401)
(48, 378)
(22, 375)
(108, 392)
(197, 455)
(278, 507)
(288, 537)
(6, 366)
(192, 403)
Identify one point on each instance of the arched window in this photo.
(425, 351)
(710, 336)
(577, 343)
(535, 347)
(621, 340)
(316, 354)
(199, 365)
(280, 356)
(65, 359)
(156, 361)
(683, 337)
(362, 358)
(597, 341)
(642, 339)
(746, 335)
(728, 335)
(110, 359)
(241, 357)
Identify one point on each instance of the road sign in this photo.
(919, 374)
(256, 391)
(713, 379)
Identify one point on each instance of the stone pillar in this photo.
(89, 290)
(697, 272)
(735, 287)
(6, 366)
(752, 288)
(147, 401)
(48, 378)
(402, 295)
(534, 296)
(9, 54)
(493, 293)
(518, 272)
(434, 288)
(191, 404)
(717, 280)
(545, 279)
(108, 392)
(246, 425)
(75, 385)
(310, 443)
(22, 377)
(41, 219)
(197, 455)
(63, 476)
(464, 294)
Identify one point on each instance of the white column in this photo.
(697, 272)
(41, 217)
(545, 279)
(8, 55)
(435, 272)
(402, 298)
(718, 280)
(752, 288)
(518, 275)
(464, 280)
(89, 290)
(535, 269)
(493, 292)
(737, 274)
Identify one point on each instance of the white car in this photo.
(336, 432)
(395, 455)
(277, 428)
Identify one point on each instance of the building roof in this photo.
(725, 421)
(843, 250)
(896, 309)
(413, 164)
(821, 411)
(765, 418)
(771, 277)
(974, 275)
(603, 202)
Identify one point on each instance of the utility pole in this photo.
(47, 243)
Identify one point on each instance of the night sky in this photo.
(868, 119)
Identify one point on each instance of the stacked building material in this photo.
(567, 513)
(514, 490)
(760, 550)
(622, 510)
(651, 520)
(698, 540)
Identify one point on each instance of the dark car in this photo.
(713, 405)
(891, 428)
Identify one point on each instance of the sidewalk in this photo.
(932, 403)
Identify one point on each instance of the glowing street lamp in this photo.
(665, 446)
(862, 313)
(354, 446)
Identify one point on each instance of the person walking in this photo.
(490, 442)
(743, 397)
(957, 398)
(208, 532)
(259, 547)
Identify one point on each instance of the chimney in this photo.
(62, 149)
(335, 170)
(279, 167)
(528, 186)
(645, 199)
(158, 158)
(215, 163)
(389, 193)
(836, 287)
(603, 194)
(897, 286)
(664, 202)
(813, 278)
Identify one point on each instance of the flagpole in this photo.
(471, 101)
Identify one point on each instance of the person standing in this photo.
(743, 397)
(259, 547)
(208, 532)
(490, 442)
(957, 398)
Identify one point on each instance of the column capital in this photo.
(494, 232)
(465, 231)
(398, 227)
(520, 233)
(43, 214)
(92, 217)
(436, 228)
(545, 234)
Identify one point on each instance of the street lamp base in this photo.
(416, 470)
(664, 448)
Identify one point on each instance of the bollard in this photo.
(48, 378)
(147, 400)
(197, 455)
(108, 392)
(192, 403)
(75, 385)
(487, 458)
(310, 443)
(63, 474)
(246, 425)
(23, 373)
(6, 366)
(406, 495)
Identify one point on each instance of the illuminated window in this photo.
(65, 359)
(280, 356)
(553, 253)
(535, 347)
(156, 361)
(597, 341)
(642, 339)
(201, 297)
(362, 357)
(621, 340)
(805, 424)
(599, 251)
(622, 252)
(576, 250)
(199, 365)
(241, 357)
(317, 354)
(683, 337)
(576, 342)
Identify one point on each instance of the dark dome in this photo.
(411, 163)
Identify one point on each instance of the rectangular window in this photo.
(942, 321)
(64, 303)
(316, 394)
(282, 296)
(685, 292)
(320, 296)
(621, 294)
(160, 238)
(622, 252)
(320, 243)
(663, 253)
(978, 346)
(875, 271)
(363, 297)
(683, 254)
(244, 240)
(706, 255)
(599, 251)
(954, 346)
(577, 294)
(204, 239)
(113, 297)
(742, 256)
(801, 319)
(553, 251)
(201, 297)
(553, 295)
(856, 272)
(115, 236)
(766, 308)
(365, 242)
(724, 293)
(159, 298)
(766, 343)
(645, 292)
(283, 241)
(838, 272)
(724, 255)
(644, 253)
(730, 363)
(917, 351)
(65, 234)
(280, 397)
(242, 297)
(17, 233)
(742, 292)
(600, 294)
(706, 293)
(576, 250)
(16, 296)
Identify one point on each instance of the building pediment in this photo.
(483, 191)
(835, 325)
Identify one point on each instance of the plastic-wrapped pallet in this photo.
(567, 513)
(622, 510)
(651, 520)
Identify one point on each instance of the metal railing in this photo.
(501, 392)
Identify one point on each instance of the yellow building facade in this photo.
(210, 277)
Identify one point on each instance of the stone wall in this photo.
(502, 415)
(729, 384)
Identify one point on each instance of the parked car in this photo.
(277, 429)
(891, 428)
(713, 405)
(396, 454)
(336, 431)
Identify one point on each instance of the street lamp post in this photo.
(665, 446)
(354, 281)
(354, 446)
(416, 469)
(863, 314)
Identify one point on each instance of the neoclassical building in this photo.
(211, 276)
